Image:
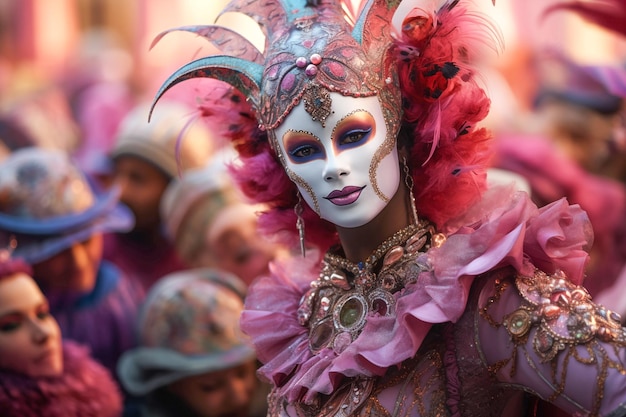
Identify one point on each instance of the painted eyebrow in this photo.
(303, 132)
(352, 113)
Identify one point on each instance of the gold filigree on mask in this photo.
(383, 150)
(299, 181)
(317, 103)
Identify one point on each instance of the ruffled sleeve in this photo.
(544, 333)
(270, 316)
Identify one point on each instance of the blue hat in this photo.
(47, 204)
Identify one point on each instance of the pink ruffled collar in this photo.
(504, 229)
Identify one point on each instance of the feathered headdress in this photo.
(414, 55)
(309, 51)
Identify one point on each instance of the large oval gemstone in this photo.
(351, 312)
(321, 334)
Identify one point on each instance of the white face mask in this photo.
(347, 170)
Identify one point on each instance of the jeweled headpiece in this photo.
(309, 52)
(414, 55)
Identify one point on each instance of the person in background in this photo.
(574, 146)
(581, 116)
(212, 226)
(146, 157)
(41, 375)
(57, 221)
(609, 15)
(192, 359)
(12, 137)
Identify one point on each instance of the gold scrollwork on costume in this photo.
(554, 319)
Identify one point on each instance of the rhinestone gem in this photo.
(380, 306)
(615, 317)
(351, 312)
(551, 312)
(338, 279)
(388, 282)
(518, 322)
(321, 335)
(393, 256)
(544, 342)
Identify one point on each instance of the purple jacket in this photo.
(104, 319)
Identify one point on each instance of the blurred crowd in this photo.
(125, 250)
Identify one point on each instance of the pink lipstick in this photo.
(347, 195)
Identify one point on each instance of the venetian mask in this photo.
(346, 168)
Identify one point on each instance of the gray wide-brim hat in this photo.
(188, 325)
(143, 370)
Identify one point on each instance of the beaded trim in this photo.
(564, 313)
(317, 102)
(564, 317)
(336, 306)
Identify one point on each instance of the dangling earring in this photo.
(300, 224)
(408, 181)
(5, 253)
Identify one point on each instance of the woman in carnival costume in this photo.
(431, 294)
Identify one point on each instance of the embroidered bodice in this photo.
(462, 325)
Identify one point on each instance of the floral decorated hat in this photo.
(188, 325)
(47, 204)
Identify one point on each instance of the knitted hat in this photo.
(47, 204)
(188, 325)
(171, 140)
(192, 204)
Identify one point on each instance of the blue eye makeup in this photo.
(352, 131)
(303, 153)
(354, 137)
(302, 148)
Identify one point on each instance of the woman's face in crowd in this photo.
(74, 269)
(346, 170)
(30, 338)
(226, 393)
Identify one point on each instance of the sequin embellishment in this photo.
(564, 313)
(337, 305)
